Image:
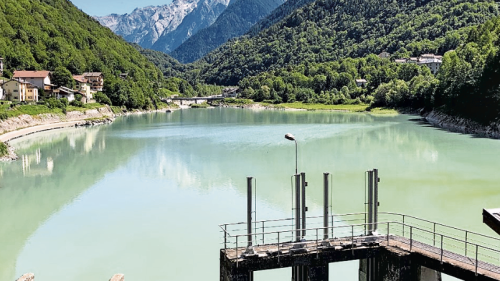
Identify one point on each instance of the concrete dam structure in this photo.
(389, 246)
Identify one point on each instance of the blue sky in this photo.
(106, 7)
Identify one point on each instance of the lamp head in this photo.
(289, 137)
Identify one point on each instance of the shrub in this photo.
(102, 98)
(4, 150)
(203, 105)
(77, 103)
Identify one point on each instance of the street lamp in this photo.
(292, 138)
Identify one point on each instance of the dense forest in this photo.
(277, 15)
(328, 30)
(236, 20)
(467, 84)
(54, 34)
(335, 83)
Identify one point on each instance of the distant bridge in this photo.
(398, 247)
(189, 101)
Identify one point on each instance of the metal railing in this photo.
(477, 250)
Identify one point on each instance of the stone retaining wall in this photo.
(461, 125)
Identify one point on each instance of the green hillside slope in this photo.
(46, 34)
(277, 15)
(466, 85)
(237, 19)
(328, 30)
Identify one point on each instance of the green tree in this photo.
(62, 77)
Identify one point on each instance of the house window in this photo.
(15, 91)
(15, 98)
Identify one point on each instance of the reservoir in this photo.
(144, 196)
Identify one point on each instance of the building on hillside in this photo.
(83, 87)
(1, 89)
(1, 66)
(96, 80)
(230, 92)
(37, 78)
(361, 83)
(19, 90)
(67, 93)
(384, 55)
(430, 60)
(433, 64)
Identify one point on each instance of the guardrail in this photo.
(478, 250)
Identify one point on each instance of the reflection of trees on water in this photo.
(53, 169)
(343, 144)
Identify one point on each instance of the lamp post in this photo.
(292, 138)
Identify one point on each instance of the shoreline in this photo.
(104, 115)
(24, 125)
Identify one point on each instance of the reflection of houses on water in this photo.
(35, 165)
(31, 148)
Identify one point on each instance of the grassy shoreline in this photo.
(361, 108)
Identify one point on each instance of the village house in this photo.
(1, 66)
(430, 60)
(83, 87)
(67, 93)
(230, 92)
(384, 55)
(1, 89)
(37, 78)
(95, 79)
(19, 90)
(361, 82)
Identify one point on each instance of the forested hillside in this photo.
(47, 34)
(466, 85)
(470, 76)
(328, 30)
(277, 15)
(236, 20)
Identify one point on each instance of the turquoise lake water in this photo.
(144, 196)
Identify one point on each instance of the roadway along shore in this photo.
(23, 125)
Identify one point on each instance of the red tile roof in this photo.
(92, 74)
(80, 78)
(31, 74)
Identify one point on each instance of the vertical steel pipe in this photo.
(297, 207)
(370, 202)
(249, 210)
(325, 205)
(375, 199)
(303, 204)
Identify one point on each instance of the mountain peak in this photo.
(145, 25)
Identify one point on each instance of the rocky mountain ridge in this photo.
(165, 27)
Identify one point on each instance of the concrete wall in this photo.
(394, 265)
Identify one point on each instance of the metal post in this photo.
(297, 207)
(303, 204)
(317, 249)
(375, 199)
(278, 247)
(325, 206)
(466, 232)
(249, 210)
(477, 250)
(411, 237)
(403, 225)
(370, 202)
(263, 240)
(225, 237)
(388, 231)
(441, 248)
(434, 239)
